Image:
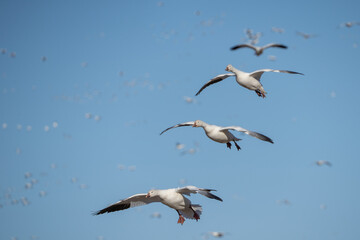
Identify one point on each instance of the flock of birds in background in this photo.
(173, 198)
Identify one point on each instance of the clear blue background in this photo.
(131, 63)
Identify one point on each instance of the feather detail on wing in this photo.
(243, 45)
(258, 73)
(133, 201)
(216, 79)
(251, 133)
(192, 189)
(179, 125)
(274, 45)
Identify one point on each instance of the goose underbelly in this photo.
(176, 201)
(249, 83)
(220, 136)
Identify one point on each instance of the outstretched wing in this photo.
(216, 79)
(242, 45)
(133, 201)
(274, 45)
(258, 73)
(179, 125)
(192, 189)
(251, 133)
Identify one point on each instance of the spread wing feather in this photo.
(192, 189)
(179, 125)
(216, 79)
(258, 73)
(251, 133)
(133, 201)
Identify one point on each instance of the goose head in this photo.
(152, 193)
(198, 123)
(229, 68)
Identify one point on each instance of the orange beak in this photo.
(194, 125)
(147, 195)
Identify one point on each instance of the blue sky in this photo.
(85, 123)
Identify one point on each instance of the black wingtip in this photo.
(96, 213)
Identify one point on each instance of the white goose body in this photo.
(250, 81)
(214, 133)
(245, 80)
(221, 134)
(173, 198)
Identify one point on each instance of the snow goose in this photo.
(323, 162)
(306, 35)
(247, 80)
(173, 198)
(258, 50)
(221, 134)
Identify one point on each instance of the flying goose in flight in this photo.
(173, 198)
(250, 81)
(221, 134)
(258, 50)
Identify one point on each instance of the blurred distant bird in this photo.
(323, 206)
(42, 193)
(97, 118)
(28, 185)
(155, 215)
(13, 54)
(88, 115)
(73, 180)
(250, 81)
(277, 30)
(323, 162)
(189, 99)
(3, 50)
(180, 146)
(253, 38)
(132, 168)
(221, 134)
(217, 234)
(28, 175)
(24, 201)
(43, 58)
(285, 202)
(306, 35)
(258, 50)
(173, 198)
(272, 58)
(349, 24)
(189, 151)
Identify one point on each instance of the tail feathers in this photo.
(189, 213)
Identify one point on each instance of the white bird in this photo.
(173, 198)
(250, 81)
(221, 134)
(277, 30)
(306, 35)
(349, 24)
(217, 234)
(323, 162)
(259, 50)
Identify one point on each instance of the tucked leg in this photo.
(228, 144)
(196, 216)
(181, 218)
(258, 93)
(237, 146)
